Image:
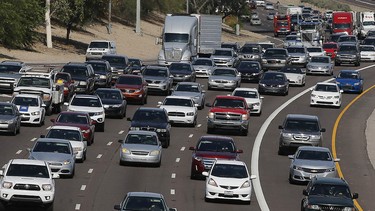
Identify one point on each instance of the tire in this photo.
(158, 164)
(337, 64)
(244, 132)
(193, 176)
(101, 128)
(14, 132)
(49, 207)
(122, 163)
(281, 151)
(291, 181)
(49, 110)
(210, 130)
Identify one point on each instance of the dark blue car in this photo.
(350, 81)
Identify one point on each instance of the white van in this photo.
(98, 48)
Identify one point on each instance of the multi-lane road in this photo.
(100, 182)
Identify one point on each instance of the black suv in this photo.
(152, 119)
(83, 75)
(275, 59)
(251, 51)
(119, 64)
(182, 72)
(324, 193)
(348, 53)
(102, 70)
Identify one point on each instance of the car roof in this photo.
(302, 117)
(156, 67)
(145, 194)
(73, 112)
(63, 127)
(230, 162)
(101, 41)
(149, 109)
(189, 83)
(225, 68)
(314, 148)
(28, 162)
(320, 57)
(246, 89)
(114, 56)
(229, 97)
(130, 76)
(108, 89)
(6, 103)
(329, 180)
(27, 95)
(96, 61)
(349, 71)
(326, 83)
(76, 64)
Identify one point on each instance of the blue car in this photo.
(350, 81)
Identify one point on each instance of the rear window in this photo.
(99, 45)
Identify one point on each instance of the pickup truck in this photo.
(228, 112)
(10, 73)
(42, 84)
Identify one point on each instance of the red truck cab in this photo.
(281, 25)
(330, 48)
(342, 22)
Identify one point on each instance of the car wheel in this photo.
(14, 132)
(210, 130)
(41, 123)
(19, 128)
(49, 207)
(281, 151)
(158, 164)
(73, 172)
(244, 132)
(337, 64)
(49, 110)
(122, 163)
(101, 127)
(291, 181)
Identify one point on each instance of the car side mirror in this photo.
(52, 120)
(323, 130)
(66, 103)
(205, 173)
(129, 119)
(253, 176)
(120, 141)
(192, 148)
(336, 160)
(117, 207)
(304, 192)
(44, 105)
(1, 172)
(42, 136)
(196, 105)
(203, 91)
(281, 127)
(106, 106)
(355, 196)
(208, 105)
(55, 176)
(159, 104)
(239, 151)
(291, 156)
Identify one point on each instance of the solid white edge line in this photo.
(78, 207)
(258, 141)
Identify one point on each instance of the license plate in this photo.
(228, 193)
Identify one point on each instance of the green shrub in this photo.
(328, 4)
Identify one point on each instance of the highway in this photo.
(100, 182)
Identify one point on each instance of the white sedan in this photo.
(295, 75)
(31, 108)
(180, 109)
(326, 94)
(367, 53)
(230, 180)
(252, 97)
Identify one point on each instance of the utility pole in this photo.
(109, 27)
(187, 6)
(138, 18)
(48, 24)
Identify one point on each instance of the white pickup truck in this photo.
(27, 181)
(42, 84)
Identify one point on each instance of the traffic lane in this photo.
(351, 149)
(277, 176)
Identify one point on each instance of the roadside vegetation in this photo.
(328, 4)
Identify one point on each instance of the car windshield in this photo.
(326, 88)
(302, 125)
(367, 48)
(314, 155)
(173, 37)
(347, 39)
(275, 52)
(24, 170)
(56, 147)
(224, 72)
(150, 116)
(335, 37)
(291, 38)
(99, 67)
(222, 53)
(143, 203)
(341, 25)
(330, 190)
(282, 23)
(289, 69)
(141, 139)
(250, 49)
(330, 46)
(352, 75)
(135, 62)
(296, 50)
(9, 69)
(34, 82)
(314, 50)
(276, 77)
(178, 102)
(109, 94)
(6, 110)
(246, 94)
(347, 48)
(76, 72)
(266, 46)
(155, 72)
(187, 88)
(115, 60)
(319, 59)
(99, 45)
(71, 135)
(88, 102)
(229, 103)
(180, 67)
(216, 146)
(229, 171)
(249, 66)
(307, 26)
(129, 80)
(25, 101)
(203, 62)
(72, 118)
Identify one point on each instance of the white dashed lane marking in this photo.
(173, 175)
(173, 192)
(177, 160)
(78, 207)
(121, 132)
(191, 135)
(33, 139)
(199, 125)
(48, 128)
(110, 143)
(83, 187)
(99, 156)
(182, 148)
(90, 171)
(18, 152)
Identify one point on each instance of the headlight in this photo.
(246, 184)
(47, 187)
(287, 135)
(66, 88)
(336, 97)
(309, 66)
(211, 80)
(212, 182)
(199, 159)
(297, 167)
(245, 117)
(231, 82)
(98, 113)
(77, 149)
(337, 82)
(154, 152)
(326, 67)
(9, 121)
(211, 115)
(356, 84)
(125, 151)
(313, 95)
(281, 85)
(313, 207)
(160, 130)
(35, 113)
(117, 105)
(315, 136)
(137, 90)
(7, 185)
(102, 76)
(134, 128)
(299, 78)
(330, 170)
(186, 76)
(264, 61)
(348, 209)
(46, 97)
(196, 97)
(260, 84)
(82, 83)
(67, 162)
(256, 56)
(190, 114)
(85, 131)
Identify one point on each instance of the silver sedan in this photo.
(309, 162)
(141, 147)
(320, 65)
(193, 90)
(224, 78)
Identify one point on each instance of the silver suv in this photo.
(300, 130)
(30, 181)
(298, 54)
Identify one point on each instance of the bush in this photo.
(328, 4)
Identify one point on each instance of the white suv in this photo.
(99, 48)
(92, 104)
(30, 181)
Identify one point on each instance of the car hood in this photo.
(325, 93)
(272, 82)
(185, 94)
(32, 90)
(180, 72)
(331, 200)
(28, 180)
(81, 126)
(85, 108)
(228, 110)
(222, 155)
(78, 78)
(248, 70)
(140, 147)
(172, 108)
(347, 52)
(221, 57)
(252, 100)
(298, 54)
(146, 123)
(221, 77)
(127, 86)
(274, 57)
(319, 64)
(7, 117)
(330, 50)
(155, 78)
(10, 76)
(50, 156)
(77, 144)
(293, 75)
(304, 133)
(222, 181)
(314, 164)
(347, 80)
(111, 101)
(199, 67)
(169, 46)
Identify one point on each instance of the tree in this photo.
(231, 7)
(18, 19)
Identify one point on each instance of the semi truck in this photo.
(186, 37)
(366, 22)
(281, 25)
(344, 22)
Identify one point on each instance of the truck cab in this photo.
(281, 25)
(343, 22)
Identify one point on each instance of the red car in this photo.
(77, 119)
(66, 79)
(133, 88)
(210, 148)
(330, 48)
